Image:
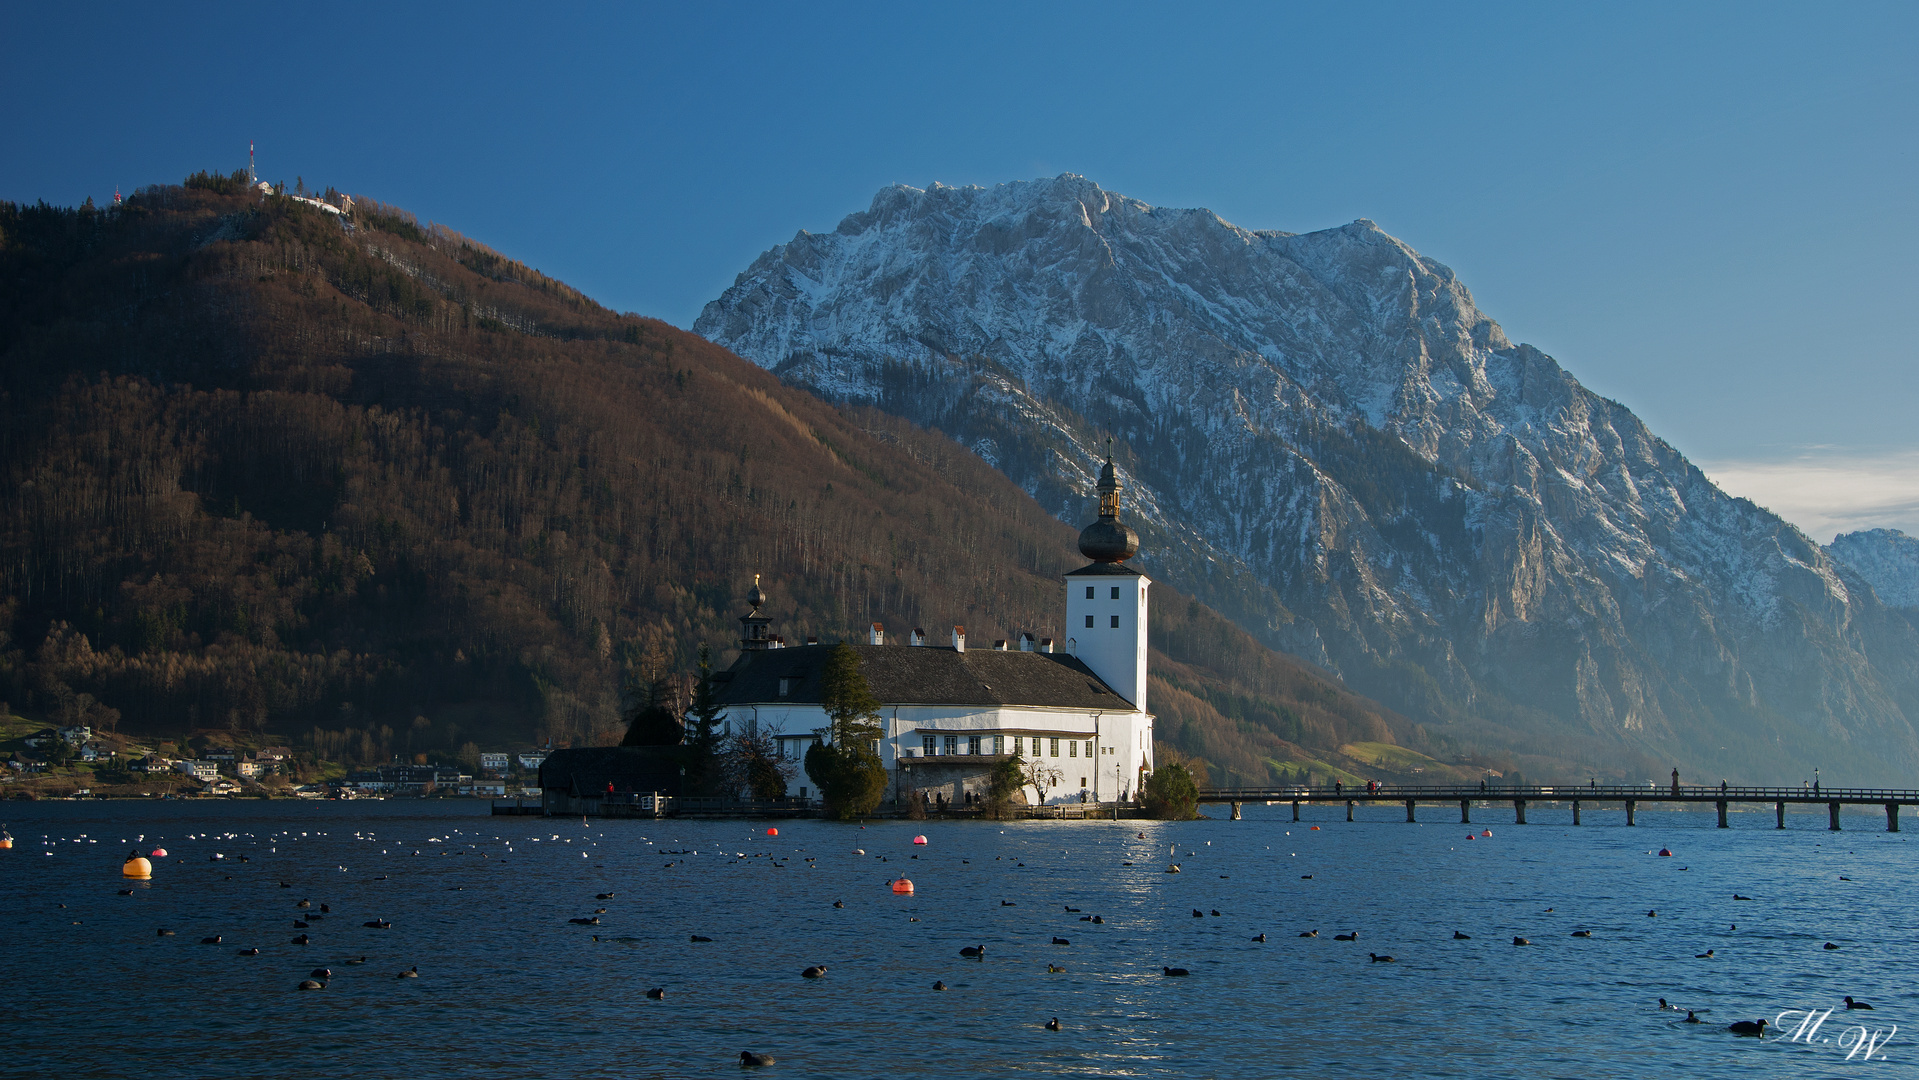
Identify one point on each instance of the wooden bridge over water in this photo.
(1558, 795)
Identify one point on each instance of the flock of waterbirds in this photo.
(306, 914)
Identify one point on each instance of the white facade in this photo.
(1106, 628)
(1103, 753)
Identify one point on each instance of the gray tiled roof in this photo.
(924, 675)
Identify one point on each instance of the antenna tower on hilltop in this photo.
(252, 177)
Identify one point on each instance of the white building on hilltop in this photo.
(950, 713)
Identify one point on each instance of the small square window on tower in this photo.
(1115, 622)
(1115, 592)
(1089, 592)
(1089, 622)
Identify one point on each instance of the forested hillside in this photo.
(372, 486)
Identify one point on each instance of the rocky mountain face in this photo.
(1887, 559)
(1323, 437)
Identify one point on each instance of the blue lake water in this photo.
(509, 988)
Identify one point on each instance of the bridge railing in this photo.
(1437, 792)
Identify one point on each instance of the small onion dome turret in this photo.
(756, 598)
(1108, 540)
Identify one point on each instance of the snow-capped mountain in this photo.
(1326, 439)
(1886, 558)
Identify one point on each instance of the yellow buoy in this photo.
(136, 867)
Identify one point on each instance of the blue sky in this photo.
(1704, 211)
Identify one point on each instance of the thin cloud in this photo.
(1827, 491)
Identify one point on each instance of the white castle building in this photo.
(950, 713)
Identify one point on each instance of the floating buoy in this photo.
(1470, 836)
(919, 839)
(772, 832)
(1665, 853)
(6, 839)
(859, 851)
(1315, 828)
(159, 853)
(136, 867)
(1488, 832)
(903, 887)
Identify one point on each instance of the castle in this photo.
(950, 714)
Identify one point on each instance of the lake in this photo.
(508, 987)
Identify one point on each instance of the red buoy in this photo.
(919, 839)
(903, 887)
(772, 832)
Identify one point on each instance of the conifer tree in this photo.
(846, 766)
(702, 753)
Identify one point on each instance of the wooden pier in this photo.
(1631, 797)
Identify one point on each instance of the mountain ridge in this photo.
(1330, 442)
(371, 486)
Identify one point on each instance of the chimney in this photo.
(999, 645)
(959, 639)
(1025, 641)
(877, 635)
(919, 636)
(812, 639)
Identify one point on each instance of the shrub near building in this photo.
(1171, 794)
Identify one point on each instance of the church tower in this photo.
(1106, 600)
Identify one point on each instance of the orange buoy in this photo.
(772, 832)
(136, 867)
(903, 887)
(1315, 828)
(6, 839)
(919, 839)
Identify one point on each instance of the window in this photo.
(1115, 592)
(1089, 622)
(1055, 747)
(1072, 748)
(952, 745)
(786, 686)
(999, 743)
(1115, 622)
(1089, 752)
(929, 745)
(972, 745)
(1089, 592)
(1082, 781)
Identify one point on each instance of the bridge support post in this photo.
(1780, 809)
(1722, 815)
(1631, 805)
(1409, 811)
(1519, 811)
(1892, 817)
(1295, 809)
(1832, 813)
(1465, 811)
(1235, 811)
(1575, 811)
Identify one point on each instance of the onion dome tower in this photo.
(753, 624)
(1106, 599)
(1108, 540)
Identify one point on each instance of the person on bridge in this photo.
(1339, 788)
(1675, 781)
